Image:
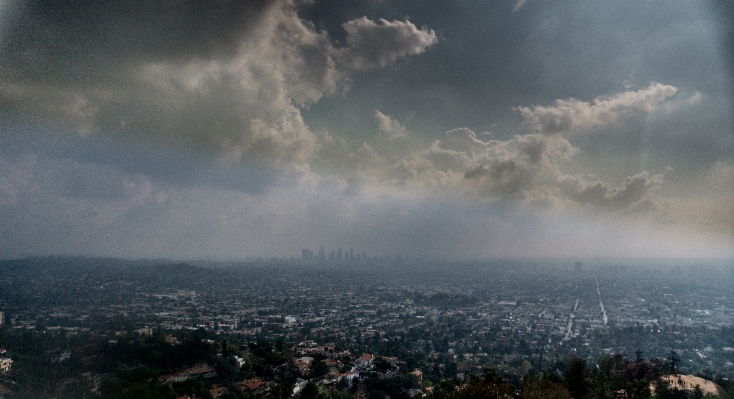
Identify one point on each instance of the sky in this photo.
(451, 129)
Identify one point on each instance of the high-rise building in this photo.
(578, 266)
(306, 255)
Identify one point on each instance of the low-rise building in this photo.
(5, 364)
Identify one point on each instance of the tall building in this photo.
(578, 266)
(307, 255)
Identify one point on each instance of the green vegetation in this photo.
(138, 366)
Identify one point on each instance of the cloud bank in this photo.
(526, 168)
(237, 89)
(261, 127)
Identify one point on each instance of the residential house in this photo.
(364, 362)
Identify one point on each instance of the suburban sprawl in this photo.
(85, 327)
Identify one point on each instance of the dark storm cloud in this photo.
(156, 69)
(83, 42)
(230, 78)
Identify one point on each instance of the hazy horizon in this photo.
(389, 261)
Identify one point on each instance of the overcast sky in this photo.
(457, 129)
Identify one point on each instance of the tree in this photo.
(491, 386)
(377, 394)
(281, 391)
(381, 364)
(697, 393)
(281, 344)
(604, 378)
(664, 391)
(640, 389)
(411, 363)
(227, 368)
(576, 376)
(318, 369)
(639, 371)
(543, 388)
(674, 360)
(310, 391)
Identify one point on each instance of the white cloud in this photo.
(495, 169)
(371, 44)
(391, 127)
(633, 193)
(525, 169)
(572, 115)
